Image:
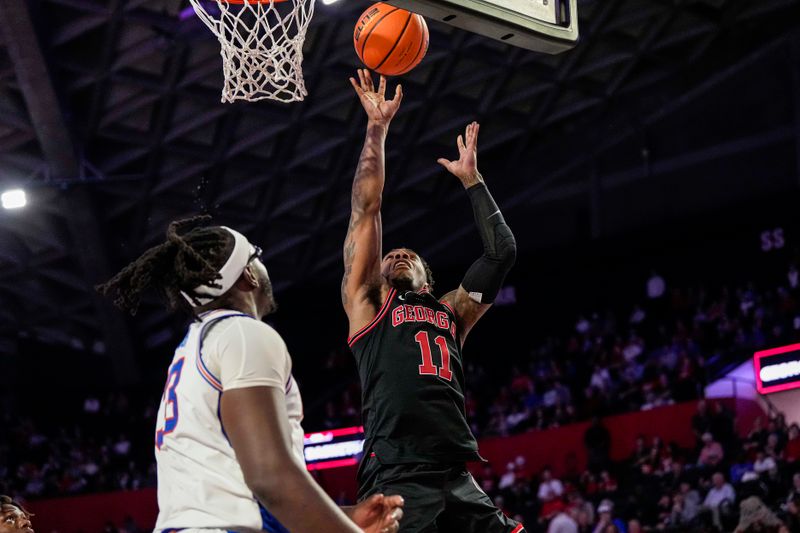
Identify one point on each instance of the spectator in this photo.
(487, 479)
(607, 484)
(123, 445)
(521, 383)
(562, 521)
(701, 421)
(563, 394)
(601, 380)
(685, 505)
(751, 485)
(550, 492)
(606, 522)
(721, 493)
(507, 479)
(757, 437)
(741, 466)
(792, 519)
(773, 447)
(794, 491)
(721, 425)
(755, 516)
(656, 286)
(764, 463)
(792, 451)
(793, 276)
(129, 526)
(332, 419)
(581, 510)
(348, 409)
(597, 440)
(637, 316)
(640, 454)
(516, 419)
(711, 454)
(91, 405)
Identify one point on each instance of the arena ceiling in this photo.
(110, 117)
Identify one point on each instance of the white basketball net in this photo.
(262, 46)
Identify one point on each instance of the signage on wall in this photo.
(334, 448)
(777, 369)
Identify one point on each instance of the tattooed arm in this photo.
(362, 246)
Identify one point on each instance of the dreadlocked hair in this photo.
(8, 501)
(183, 262)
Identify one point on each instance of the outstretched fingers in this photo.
(382, 86)
(362, 80)
(461, 145)
(472, 135)
(357, 87)
(398, 94)
(368, 84)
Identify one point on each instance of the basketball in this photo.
(390, 40)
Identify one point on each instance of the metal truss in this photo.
(117, 129)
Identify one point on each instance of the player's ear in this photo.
(248, 281)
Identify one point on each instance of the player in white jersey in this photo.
(229, 445)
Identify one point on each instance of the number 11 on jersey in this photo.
(427, 368)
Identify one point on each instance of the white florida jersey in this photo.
(200, 483)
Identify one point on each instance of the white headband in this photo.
(230, 271)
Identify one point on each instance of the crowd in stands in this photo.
(656, 353)
(100, 444)
(725, 483)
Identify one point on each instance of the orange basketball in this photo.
(390, 40)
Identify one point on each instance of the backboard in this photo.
(548, 26)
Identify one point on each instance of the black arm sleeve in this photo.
(486, 275)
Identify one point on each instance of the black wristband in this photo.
(487, 214)
(485, 277)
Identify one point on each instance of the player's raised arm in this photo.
(362, 246)
(485, 277)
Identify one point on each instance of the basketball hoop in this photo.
(262, 46)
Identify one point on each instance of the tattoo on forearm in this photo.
(368, 181)
(349, 253)
(367, 189)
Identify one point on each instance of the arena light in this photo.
(777, 369)
(329, 2)
(13, 199)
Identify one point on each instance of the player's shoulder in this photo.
(250, 329)
(449, 301)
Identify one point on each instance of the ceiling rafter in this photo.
(141, 84)
(58, 146)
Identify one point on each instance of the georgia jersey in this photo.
(200, 483)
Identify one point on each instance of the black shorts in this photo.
(439, 498)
